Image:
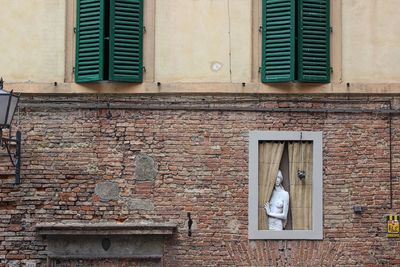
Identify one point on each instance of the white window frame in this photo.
(316, 233)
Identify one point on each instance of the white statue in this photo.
(278, 206)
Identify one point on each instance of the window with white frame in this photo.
(285, 185)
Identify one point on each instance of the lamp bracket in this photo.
(15, 158)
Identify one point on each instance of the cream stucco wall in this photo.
(200, 46)
(371, 41)
(203, 41)
(32, 34)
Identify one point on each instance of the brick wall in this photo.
(79, 165)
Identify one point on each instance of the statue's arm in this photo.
(267, 208)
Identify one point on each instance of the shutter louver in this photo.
(313, 33)
(89, 41)
(126, 32)
(278, 41)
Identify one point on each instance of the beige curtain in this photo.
(300, 157)
(270, 155)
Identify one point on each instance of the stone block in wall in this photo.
(146, 168)
(107, 190)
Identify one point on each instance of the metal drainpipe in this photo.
(391, 158)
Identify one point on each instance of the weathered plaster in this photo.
(191, 36)
(180, 47)
(371, 38)
(32, 46)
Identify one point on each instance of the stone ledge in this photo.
(91, 257)
(105, 229)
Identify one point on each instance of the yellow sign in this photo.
(393, 227)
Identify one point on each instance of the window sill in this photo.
(105, 229)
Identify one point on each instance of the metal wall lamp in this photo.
(8, 105)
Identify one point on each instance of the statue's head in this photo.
(279, 178)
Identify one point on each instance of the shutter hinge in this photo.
(144, 68)
(260, 29)
(331, 69)
(144, 29)
(74, 29)
(73, 70)
(330, 29)
(259, 69)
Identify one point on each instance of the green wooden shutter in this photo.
(126, 34)
(313, 46)
(278, 41)
(89, 61)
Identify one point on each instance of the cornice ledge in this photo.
(105, 229)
